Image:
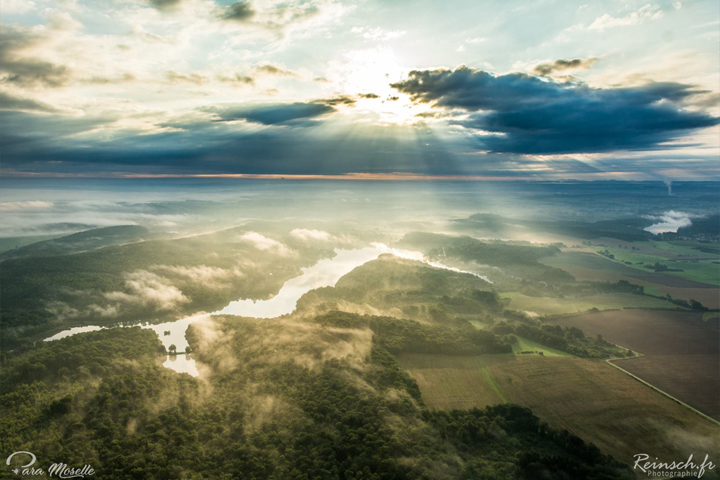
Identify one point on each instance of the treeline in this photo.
(495, 253)
(577, 289)
(691, 304)
(408, 336)
(514, 260)
(568, 339)
(76, 356)
(473, 429)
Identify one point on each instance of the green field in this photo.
(589, 266)
(589, 398)
(695, 265)
(525, 345)
(605, 301)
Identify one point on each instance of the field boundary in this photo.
(662, 392)
(491, 381)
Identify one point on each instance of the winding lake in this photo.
(324, 273)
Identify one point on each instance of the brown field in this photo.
(690, 378)
(452, 382)
(681, 352)
(589, 398)
(591, 267)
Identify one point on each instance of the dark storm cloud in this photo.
(530, 115)
(22, 131)
(197, 144)
(239, 12)
(25, 70)
(546, 69)
(293, 114)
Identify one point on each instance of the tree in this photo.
(173, 349)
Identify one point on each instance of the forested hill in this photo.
(81, 242)
(278, 399)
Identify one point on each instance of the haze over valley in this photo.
(359, 240)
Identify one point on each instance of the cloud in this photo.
(149, 290)
(669, 221)
(239, 12)
(369, 95)
(647, 12)
(339, 100)
(17, 7)
(278, 341)
(97, 80)
(296, 114)
(9, 102)
(284, 19)
(377, 33)
(165, 4)
(275, 70)
(546, 69)
(175, 77)
(202, 274)
(26, 205)
(520, 113)
(20, 67)
(311, 235)
(237, 78)
(265, 244)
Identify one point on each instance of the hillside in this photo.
(81, 242)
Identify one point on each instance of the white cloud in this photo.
(202, 274)
(149, 289)
(647, 12)
(17, 7)
(311, 235)
(265, 244)
(26, 205)
(670, 221)
(377, 33)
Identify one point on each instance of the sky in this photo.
(364, 89)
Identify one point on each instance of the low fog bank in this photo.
(175, 207)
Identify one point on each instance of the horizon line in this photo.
(352, 176)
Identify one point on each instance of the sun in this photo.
(367, 75)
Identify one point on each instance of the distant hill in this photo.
(12, 243)
(81, 242)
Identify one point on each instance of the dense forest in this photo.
(281, 399)
(141, 281)
(409, 289)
